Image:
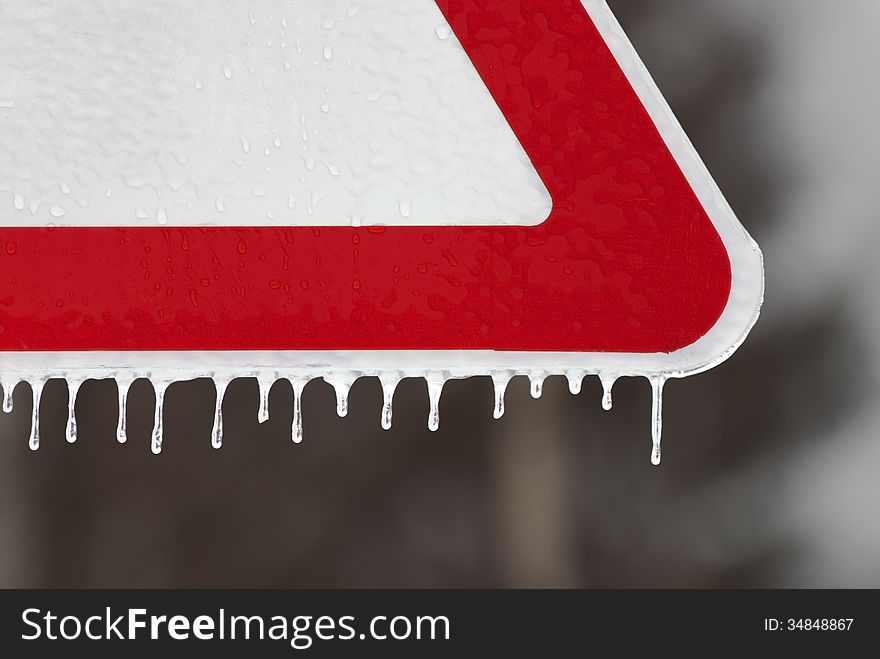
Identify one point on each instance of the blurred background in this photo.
(770, 462)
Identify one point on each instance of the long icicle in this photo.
(296, 427)
(265, 385)
(388, 389)
(72, 391)
(37, 390)
(217, 429)
(158, 420)
(656, 417)
(122, 387)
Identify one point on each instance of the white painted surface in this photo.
(250, 112)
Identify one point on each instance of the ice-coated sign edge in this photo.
(341, 368)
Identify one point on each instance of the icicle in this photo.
(37, 389)
(72, 391)
(388, 388)
(500, 388)
(8, 389)
(607, 385)
(265, 387)
(657, 417)
(159, 388)
(435, 389)
(537, 385)
(122, 387)
(296, 426)
(217, 429)
(575, 382)
(341, 389)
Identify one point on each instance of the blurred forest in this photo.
(769, 464)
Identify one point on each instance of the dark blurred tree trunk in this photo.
(530, 461)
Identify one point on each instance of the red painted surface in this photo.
(627, 261)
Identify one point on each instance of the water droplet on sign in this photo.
(405, 207)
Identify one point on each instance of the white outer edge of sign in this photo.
(722, 340)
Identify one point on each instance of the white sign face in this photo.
(210, 112)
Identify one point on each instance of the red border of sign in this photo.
(628, 260)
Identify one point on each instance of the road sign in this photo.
(396, 189)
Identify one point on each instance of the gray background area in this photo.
(769, 473)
